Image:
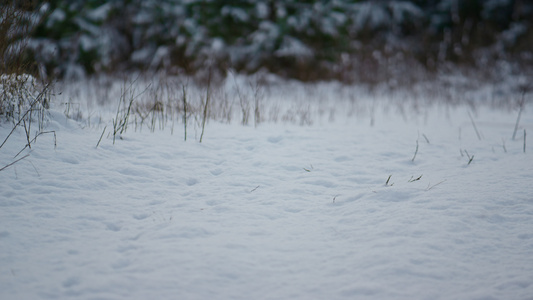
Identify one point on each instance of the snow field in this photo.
(280, 211)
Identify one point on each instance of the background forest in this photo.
(346, 40)
(387, 157)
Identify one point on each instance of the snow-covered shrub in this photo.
(299, 39)
(22, 96)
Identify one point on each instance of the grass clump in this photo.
(24, 98)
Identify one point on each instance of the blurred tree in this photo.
(300, 39)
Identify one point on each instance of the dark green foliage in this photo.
(307, 40)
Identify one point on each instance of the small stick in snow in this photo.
(207, 97)
(524, 141)
(101, 137)
(16, 161)
(519, 114)
(425, 137)
(474, 125)
(416, 151)
(387, 182)
(413, 179)
(35, 139)
(470, 158)
(184, 89)
(432, 186)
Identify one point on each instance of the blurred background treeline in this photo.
(346, 40)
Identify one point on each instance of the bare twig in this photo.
(16, 161)
(184, 89)
(522, 101)
(28, 145)
(474, 125)
(414, 179)
(35, 101)
(416, 151)
(258, 95)
(524, 141)
(470, 158)
(207, 96)
(387, 182)
(426, 138)
(432, 186)
(101, 136)
(120, 122)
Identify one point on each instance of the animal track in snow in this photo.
(191, 181)
(216, 172)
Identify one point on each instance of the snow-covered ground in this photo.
(281, 211)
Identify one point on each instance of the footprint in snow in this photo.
(275, 139)
(191, 181)
(525, 236)
(70, 160)
(112, 227)
(71, 281)
(141, 216)
(216, 172)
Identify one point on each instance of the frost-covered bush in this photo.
(17, 21)
(22, 96)
(301, 39)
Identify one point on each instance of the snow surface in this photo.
(280, 211)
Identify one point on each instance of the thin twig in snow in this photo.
(522, 101)
(474, 125)
(432, 186)
(524, 141)
(416, 151)
(16, 161)
(101, 137)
